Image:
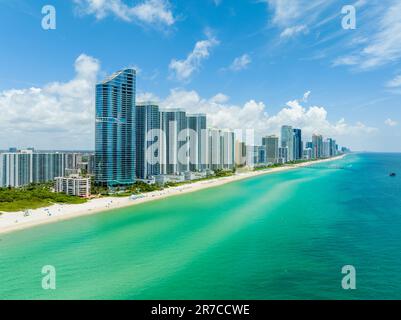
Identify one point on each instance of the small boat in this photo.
(393, 174)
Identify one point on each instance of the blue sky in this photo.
(246, 63)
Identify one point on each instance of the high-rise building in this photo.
(283, 154)
(47, 166)
(307, 154)
(255, 155)
(271, 145)
(175, 147)
(147, 140)
(221, 149)
(240, 153)
(326, 148)
(228, 149)
(215, 141)
(287, 141)
(73, 185)
(317, 146)
(15, 169)
(115, 129)
(332, 147)
(197, 142)
(25, 167)
(298, 144)
(261, 154)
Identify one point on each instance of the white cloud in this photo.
(183, 69)
(346, 61)
(147, 11)
(285, 11)
(383, 33)
(254, 115)
(293, 31)
(54, 115)
(390, 122)
(240, 63)
(288, 13)
(395, 83)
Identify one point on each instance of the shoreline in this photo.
(15, 221)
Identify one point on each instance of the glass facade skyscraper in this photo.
(317, 146)
(115, 129)
(298, 145)
(287, 141)
(174, 123)
(148, 135)
(271, 145)
(198, 140)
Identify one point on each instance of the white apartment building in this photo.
(73, 185)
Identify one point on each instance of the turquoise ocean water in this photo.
(279, 236)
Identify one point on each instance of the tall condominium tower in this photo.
(147, 140)
(115, 129)
(298, 145)
(24, 167)
(287, 141)
(271, 145)
(214, 144)
(221, 149)
(198, 140)
(240, 153)
(228, 149)
(175, 159)
(317, 146)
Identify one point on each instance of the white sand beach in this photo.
(19, 220)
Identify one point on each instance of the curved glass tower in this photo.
(115, 129)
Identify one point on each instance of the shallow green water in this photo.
(279, 236)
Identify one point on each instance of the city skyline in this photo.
(196, 64)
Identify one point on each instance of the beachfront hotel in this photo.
(116, 130)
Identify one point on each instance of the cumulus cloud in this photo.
(254, 115)
(182, 70)
(147, 11)
(390, 122)
(241, 63)
(56, 114)
(293, 31)
(61, 114)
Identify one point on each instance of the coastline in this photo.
(14, 221)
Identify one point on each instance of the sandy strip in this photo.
(13, 221)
